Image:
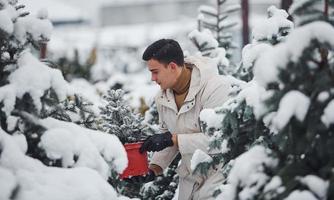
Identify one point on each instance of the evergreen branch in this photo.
(18, 7)
(21, 15)
(7, 62)
(209, 13)
(222, 17)
(221, 2)
(210, 26)
(227, 26)
(232, 9)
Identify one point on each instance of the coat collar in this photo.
(203, 69)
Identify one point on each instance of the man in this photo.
(186, 89)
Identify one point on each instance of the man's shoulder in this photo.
(217, 84)
(216, 80)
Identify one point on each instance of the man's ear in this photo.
(173, 65)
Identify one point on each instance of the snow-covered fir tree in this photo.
(233, 128)
(152, 115)
(208, 46)
(270, 31)
(75, 109)
(217, 20)
(306, 11)
(118, 118)
(296, 107)
(164, 186)
(28, 90)
(213, 37)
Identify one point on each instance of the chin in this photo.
(162, 87)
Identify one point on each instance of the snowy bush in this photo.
(299, 92)
(29, 138)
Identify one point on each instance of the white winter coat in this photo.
(207, 90)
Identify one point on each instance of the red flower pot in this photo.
(137, 165)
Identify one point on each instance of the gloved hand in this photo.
(150, 176)
(157, 142)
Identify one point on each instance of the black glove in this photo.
(150, 176)
(157, 142)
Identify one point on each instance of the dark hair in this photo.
(164, 51)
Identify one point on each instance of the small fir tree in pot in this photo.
(118, 118)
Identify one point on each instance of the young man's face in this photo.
(163, 74)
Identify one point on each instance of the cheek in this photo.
(159, 77)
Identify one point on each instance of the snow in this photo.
(94, 149)
(39, 182)
(21, 141)
(228, 192)
(11, 122)
(274, 184)
(267, 66)
(297, 194)
(32, 77)
(252, 95)
(317, 185)
(8, 183)
(251, 92)
(323, 96)
(205, 36)
(38, 29)
(199, 157)
(328, 118)
(270, 27)
(88, 91)
(43, 14)
(7, 15)
(248, 171)
(251, 52)
(292, 104)
(211, 118)
(224, 148)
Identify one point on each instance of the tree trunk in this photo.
(245, 26)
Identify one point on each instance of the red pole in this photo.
(285, 4)
(43, 47)
(326, 9)
(245, 25)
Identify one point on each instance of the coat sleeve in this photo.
(165, 157)
(214, 95)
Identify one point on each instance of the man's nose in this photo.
(154, 77)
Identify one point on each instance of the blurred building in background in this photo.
(123, 12)
(60, 13)
(116, 28)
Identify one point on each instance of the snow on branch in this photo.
(32, 180)
(270, 27)
(267, 66)
(34, 78)
(94, 149)
(293, 104)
